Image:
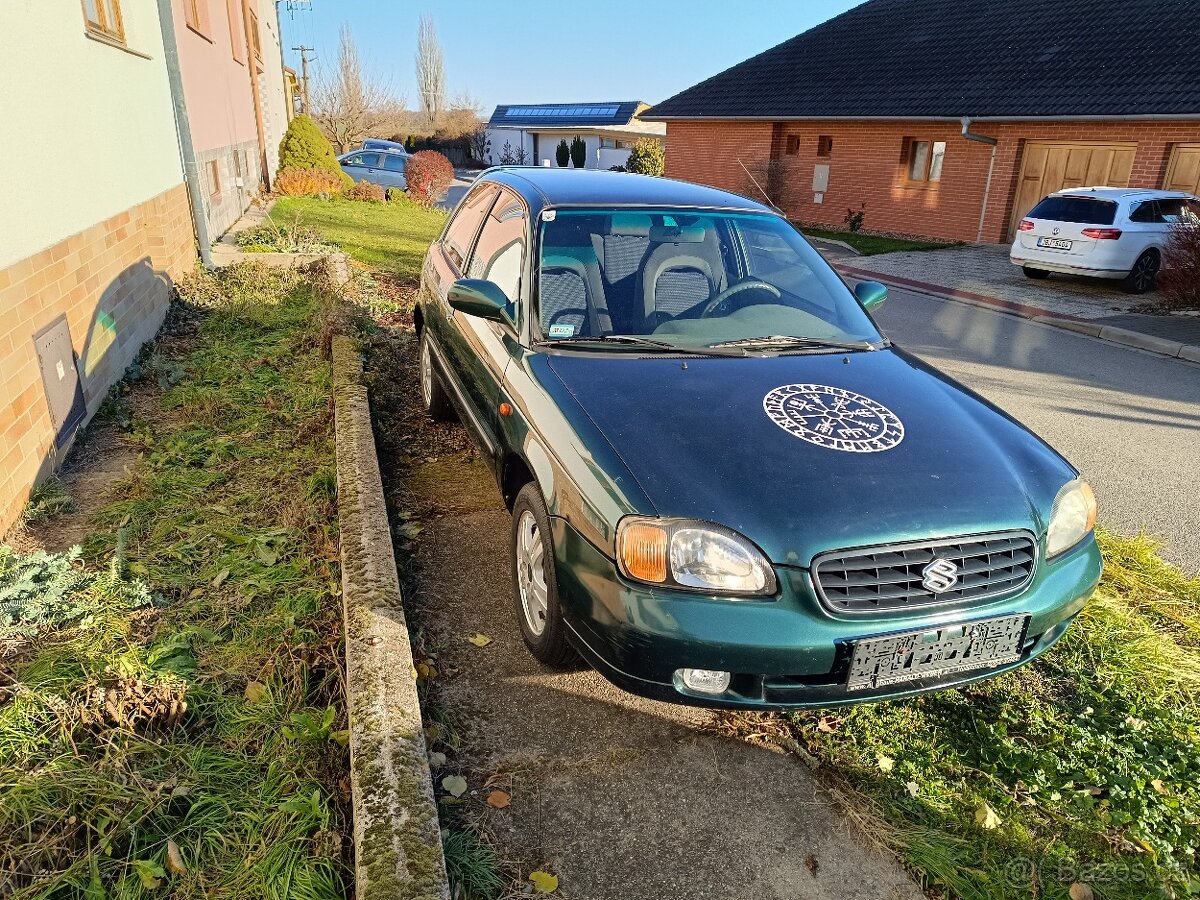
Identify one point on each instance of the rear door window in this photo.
(393, 162)
(500, 251)
(463, 227)
(1080, 210)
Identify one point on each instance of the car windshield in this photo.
(690, 279)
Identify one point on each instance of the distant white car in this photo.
(1104, 232)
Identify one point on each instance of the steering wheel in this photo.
(736, 288)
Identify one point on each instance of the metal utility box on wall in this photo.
(60, 376)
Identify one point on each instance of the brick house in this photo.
(945, 119)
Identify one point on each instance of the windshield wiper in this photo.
(634, 342)
(786, 341)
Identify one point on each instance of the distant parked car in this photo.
(382, 167)
(381, 144)
(1104, 232)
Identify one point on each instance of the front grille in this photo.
(888, 577)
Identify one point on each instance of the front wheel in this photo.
(433, 395)
(1034, 273)
(1142, 276)
(535, 588)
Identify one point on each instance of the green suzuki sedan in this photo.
(728, 488)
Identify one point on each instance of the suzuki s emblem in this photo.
(939, 576)
(1056, 230)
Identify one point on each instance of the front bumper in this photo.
(785, 652)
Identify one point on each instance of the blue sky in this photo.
(532, 51)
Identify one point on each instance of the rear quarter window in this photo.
(1081, 210)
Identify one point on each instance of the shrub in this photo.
(1179, 280)
(578, 152)
(854, 218)
(647, 158)
(364, 190)
(308, 182)
(562, 154)
(428, 175)
(305, 147)
(283, 237)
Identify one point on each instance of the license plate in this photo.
(1055, 243)
(896, 658)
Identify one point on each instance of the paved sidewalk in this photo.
(983, 275)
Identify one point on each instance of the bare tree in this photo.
(431, 72)
(349, 105)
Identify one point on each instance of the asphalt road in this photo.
(1127, 419)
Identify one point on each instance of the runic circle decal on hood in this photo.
(834, 418)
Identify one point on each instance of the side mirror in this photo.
(870, 294)
(479, 297)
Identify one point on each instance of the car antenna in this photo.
(756, 184)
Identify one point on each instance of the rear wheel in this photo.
(1031, 272)
(535, 588)
(433, 395)
(1142, 276)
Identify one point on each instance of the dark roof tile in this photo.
(951, 58)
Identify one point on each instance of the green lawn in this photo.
(1083, 766)
(391, 236)
(871, 244)
(170, 701)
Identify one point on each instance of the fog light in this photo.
(704, 681)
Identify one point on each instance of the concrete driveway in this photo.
(1129, 420)
(985, 270)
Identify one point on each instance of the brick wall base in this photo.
(112, 282)
(866, 166)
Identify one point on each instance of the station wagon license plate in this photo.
(1055, 243)
(911, 655)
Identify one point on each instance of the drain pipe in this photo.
(987, 185)
(183, 132)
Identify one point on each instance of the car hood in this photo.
(703, 440)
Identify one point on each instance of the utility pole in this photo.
(304, 101)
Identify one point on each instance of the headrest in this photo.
(632, 224)
(677, 234)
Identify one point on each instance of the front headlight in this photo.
(694, 556)
(1071, 518)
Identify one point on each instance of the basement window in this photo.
(214, 180)
(825, 145)
(924, 159)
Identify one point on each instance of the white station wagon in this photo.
(1105, 232)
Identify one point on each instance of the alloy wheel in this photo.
(426, 365)
(1145, 270)
(531, 572)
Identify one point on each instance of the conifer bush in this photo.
(305, 147)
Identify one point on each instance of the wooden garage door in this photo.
(1183, 171)
(1050, 166)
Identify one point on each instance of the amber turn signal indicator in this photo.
(642, 549)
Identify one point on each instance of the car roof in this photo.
(1118, 193)
(385, 150)
(544, 187)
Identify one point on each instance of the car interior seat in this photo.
(620, 246)
(683, 268)
(570, 292)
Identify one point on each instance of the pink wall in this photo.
(216, 85)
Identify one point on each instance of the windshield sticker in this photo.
(834, 418)
(561, 331)
(549, 215)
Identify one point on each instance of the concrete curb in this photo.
(1111, 333)
(397, 841)
(813, 239)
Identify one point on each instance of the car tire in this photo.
(535, 587)
(1031, 272)
(433, 395)
(1142, 276)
